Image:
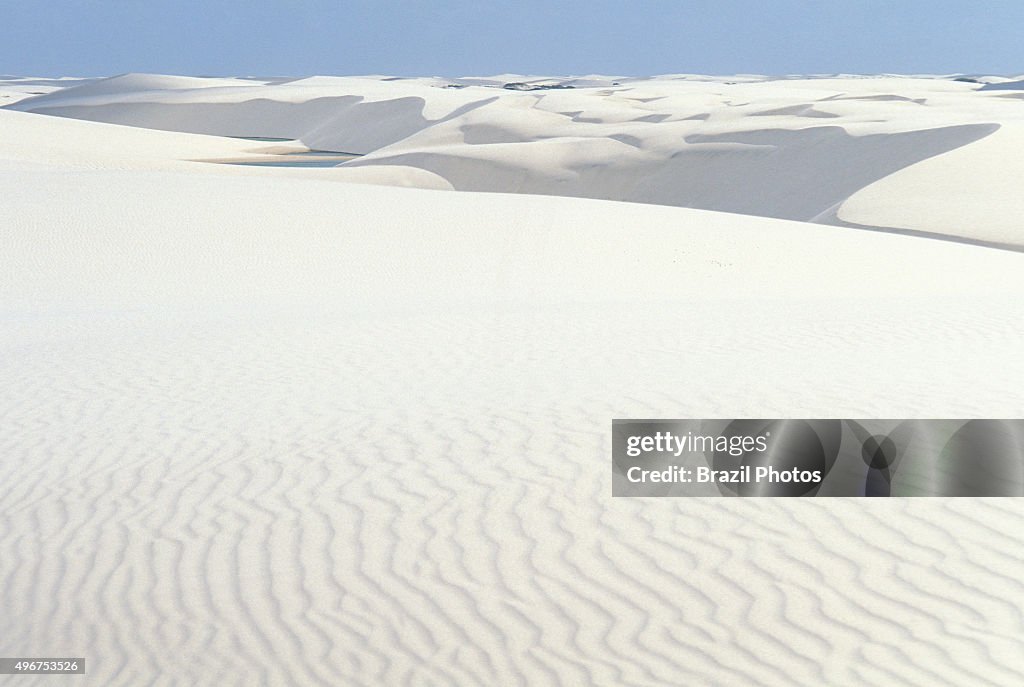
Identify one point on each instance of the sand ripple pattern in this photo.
(271, 431)
(271, 503)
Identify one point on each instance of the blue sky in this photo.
(461, 37)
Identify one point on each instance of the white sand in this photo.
(259, 426)
(975, 192)
(808, 149)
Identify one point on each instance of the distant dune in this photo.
(840, 150)
(261, 425)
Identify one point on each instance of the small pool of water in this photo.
(315, 162)
(308, 158)
(262, 138)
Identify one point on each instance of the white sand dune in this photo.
(67, 144)
(259, 426)
(16, 88)
(1017, 85)
(799, 148)
(973, 192)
